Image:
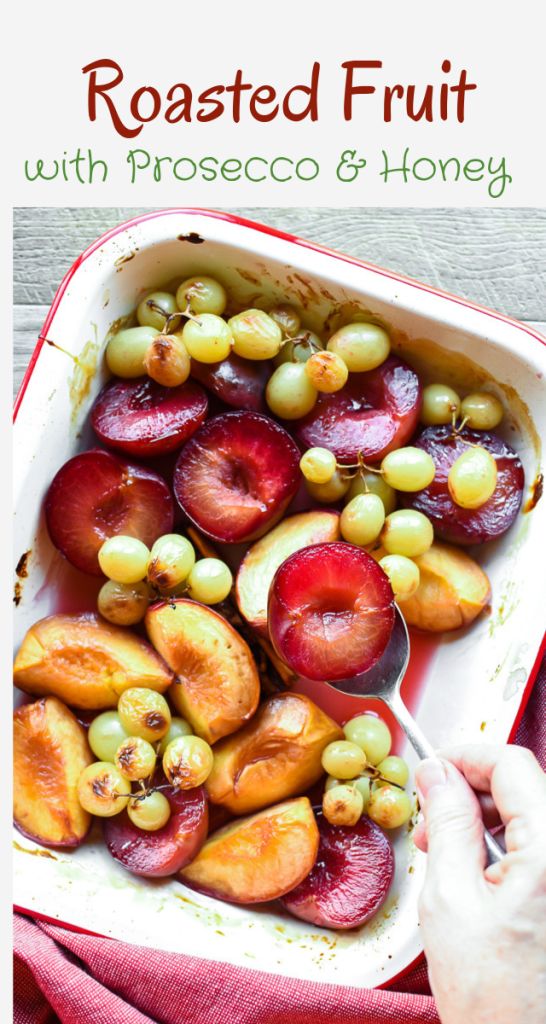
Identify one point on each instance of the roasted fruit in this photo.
(143, 418)
(373, 413)
(350, 879)
(94, 496)
(50, 751)
(236, 476)
(277, 755)
(256, 859)
(265, 556)
(236, 381)
(216, 686)
(86, 662)
(331, 611)
(167, 849)
(465, 525)
(453, 590)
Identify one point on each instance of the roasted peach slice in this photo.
(50, 751)
(260, 858)
(217, 686)
(86, 661)
(452, 592)
(277, 755)
(265, 556)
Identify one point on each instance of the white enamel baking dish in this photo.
(471, 686)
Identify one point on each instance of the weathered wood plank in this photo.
(493, 257)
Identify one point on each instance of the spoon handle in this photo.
(425, 749)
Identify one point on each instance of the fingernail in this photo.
(429, 773)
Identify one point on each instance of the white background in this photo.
(501, 44)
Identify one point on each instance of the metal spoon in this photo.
(382, 682)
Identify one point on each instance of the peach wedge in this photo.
(453, 590)
(260, 858)
(86, 661)
(277, 755)
(265, 556)
(217, 686)
(50, 751)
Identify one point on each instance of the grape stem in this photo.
(304, 339)
(358, 467)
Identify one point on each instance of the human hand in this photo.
(484, 928)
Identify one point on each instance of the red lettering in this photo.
(356, 90)
(95, 89)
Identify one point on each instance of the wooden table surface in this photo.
(496, 258)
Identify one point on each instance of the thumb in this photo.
(453, 823)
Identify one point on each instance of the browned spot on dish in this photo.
(122, 260)
(536, 494)
(192, 237)
(247, 276)
(17, 593)
(34, 853)
(21, 568)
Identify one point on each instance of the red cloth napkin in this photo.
(64, 976)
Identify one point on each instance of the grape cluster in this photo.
(136, 574)
(370, 518)
(364, 777)
(128, 743)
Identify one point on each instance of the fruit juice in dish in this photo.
(255, 273)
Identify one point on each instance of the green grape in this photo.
(299, 349)
(171, 560)
(342, 805)
(361, 346)
(124, 559)
(187, 762)
(105, 735)
(318, 465)
(362, 519)
(440, 404)
(202, 294)
(135, 758)
(332, 490)
(289, 393)
(343, 759)
(403, 574)
(124, 604)
(167, 360)
(103, 790)
(407, 532)
(255, 334)
(371, 734)
(326, 371)
(481, 410)
(178, 727)
(472, 478)
(127, 349)
(210, 581)
(149, 812)
(287, 318)
(207, 338)
(147, 316)
(394, 769)
(366, 481)
(408, 469)
(144, 713)
(389, 807)
(362, 784)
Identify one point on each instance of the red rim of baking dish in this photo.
(265, 229)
